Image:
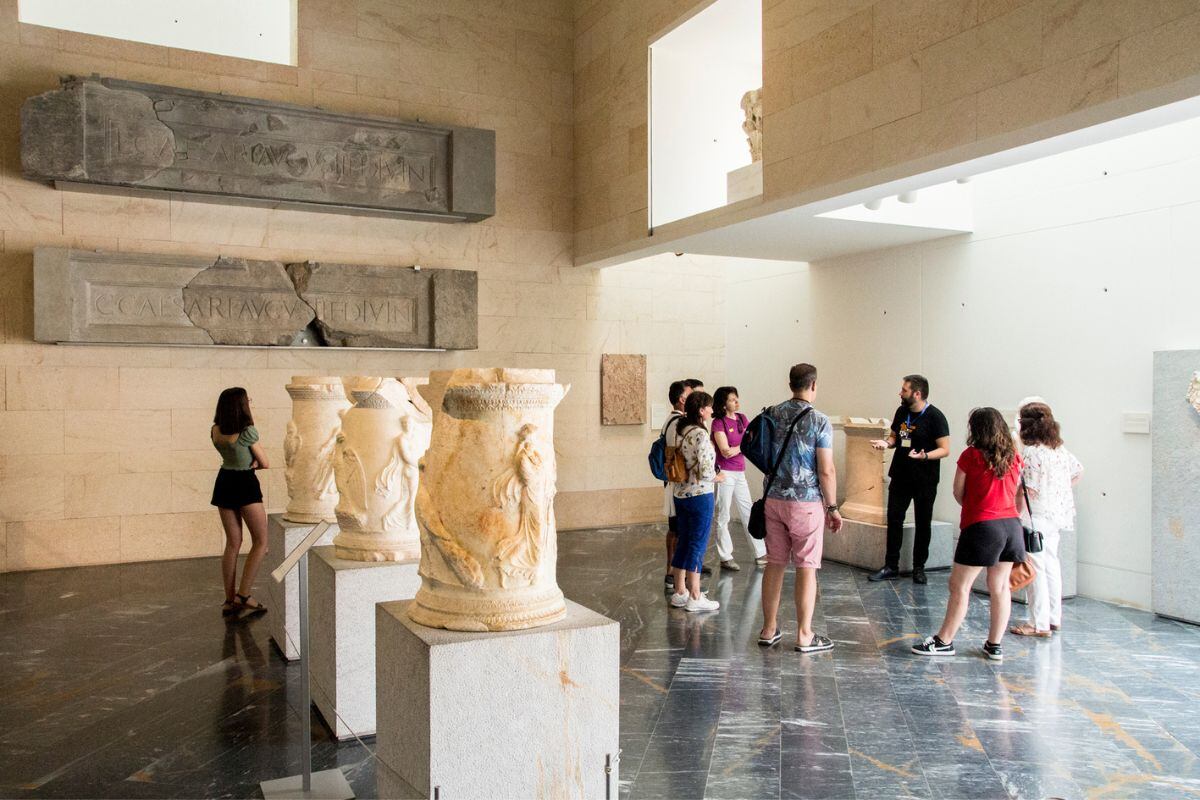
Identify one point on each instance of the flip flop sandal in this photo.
(229, 608)
(817, 645)
(768, 641)
(243, 602)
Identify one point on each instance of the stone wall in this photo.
(860, 91)
(104, 454)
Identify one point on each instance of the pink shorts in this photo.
(795, 528)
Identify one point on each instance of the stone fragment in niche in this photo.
(309, 447)
(377, 453)
(622, 389)
(485, 506)
(240, 301)
(1193, 394)
(866, 498)
(752, 126)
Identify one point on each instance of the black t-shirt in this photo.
(921, 432)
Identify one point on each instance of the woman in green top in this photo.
(238, 497)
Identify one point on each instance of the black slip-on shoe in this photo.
(884, 574)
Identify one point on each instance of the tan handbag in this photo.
(1022, 575)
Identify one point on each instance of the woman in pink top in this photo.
(728, 427)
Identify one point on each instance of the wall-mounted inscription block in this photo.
(622, 389)
(108, 132)
(132, 298)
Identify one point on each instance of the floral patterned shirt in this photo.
(797, 478)
(701, 459)
(1048, 474)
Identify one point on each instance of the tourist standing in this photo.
(677, 394)
(800, 502)
(694, 502)
(728, 426)
(238, 496)
(1050, 474)
(921, 437)
(985, 485)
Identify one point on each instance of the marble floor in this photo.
(124, 681)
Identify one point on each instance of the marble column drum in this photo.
(376, 467)
(308, 447)
(485, 502)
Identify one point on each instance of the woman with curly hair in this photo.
(985, 485)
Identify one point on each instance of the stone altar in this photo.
(283, 599)
(529, 713)
(622, 389)
(866, 471)
(376, 457)
(485, 502)
(308, 447)
(1174, 476)
(342, 597)
(201, 145)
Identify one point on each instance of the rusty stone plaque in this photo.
(92, 296)
(622, 389)
(107, 132)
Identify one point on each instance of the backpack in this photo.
(757, 441)
(659, 453)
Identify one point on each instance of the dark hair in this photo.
(693, 383)
(918, 383)
(691, 411)
(1038, 425)
(233, 411)
(674, 392)
(801, 377)
(989, 434)
(720, 398)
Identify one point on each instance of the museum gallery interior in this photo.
(550, 399)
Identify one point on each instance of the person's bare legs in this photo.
(255, 516)
(772, 589)
(232, 523)
(687, 582)
(961, 578)
(806, 601)
(1001, 599)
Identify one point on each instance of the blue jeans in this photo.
(694, 522)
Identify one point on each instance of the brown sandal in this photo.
(1029, 630)
(229, 608)
(248, 602)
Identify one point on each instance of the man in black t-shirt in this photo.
(921, 437)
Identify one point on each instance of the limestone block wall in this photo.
(857, 91)
(104, 455)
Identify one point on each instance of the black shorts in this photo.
(993, 540)
(235, 488)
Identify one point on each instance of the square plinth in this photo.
(283, 599)
(864, 544)
(342, 597)
(1068, 563)
(529, 713)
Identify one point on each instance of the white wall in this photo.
(1081, 266)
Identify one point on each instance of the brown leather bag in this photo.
(1022, 575)
(677, 471)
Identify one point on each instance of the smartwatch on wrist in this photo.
(831, 509)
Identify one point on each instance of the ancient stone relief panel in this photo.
(309, 447)
(485, 503)
(109, 132)
(622, 389)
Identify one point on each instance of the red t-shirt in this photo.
(985, 496)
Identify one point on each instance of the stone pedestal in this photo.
(866, 470)
(1067, 540)
(342, 598)
(863, 544)
(1174, 476)
(283, 599)
(527, 713)
(744, 182)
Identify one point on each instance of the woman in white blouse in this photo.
(693, 501)
(1051, 472)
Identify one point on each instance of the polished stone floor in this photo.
(124, 681)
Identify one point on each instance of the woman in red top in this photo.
(985, 485)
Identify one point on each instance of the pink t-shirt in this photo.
(733, 429)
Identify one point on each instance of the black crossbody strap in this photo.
(783, 450)
(1028, 508)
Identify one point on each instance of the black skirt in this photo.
(235, 488)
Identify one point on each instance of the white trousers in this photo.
(734, 491)
(1045, 593)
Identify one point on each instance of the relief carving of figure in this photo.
(308, 447)
(522, 484)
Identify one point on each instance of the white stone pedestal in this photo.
(744, 182)
(864, 544)
(527, 713)
(341, 612)
(283, 600)
(1067, 539)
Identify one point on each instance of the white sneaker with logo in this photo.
(679, 600)
(702, 603)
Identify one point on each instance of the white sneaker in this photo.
(702, 603)
(679, 600)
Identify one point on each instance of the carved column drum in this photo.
(308, 447)
(485, 504)
(377, 456)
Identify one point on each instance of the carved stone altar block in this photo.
(1174, 478)
(283, 599)
(109, 132)
(499, 715)
(864, 544)
(377, 452)
(622, 389)
(866, 471)
(342, 598)
(309, 447)
(486, 502)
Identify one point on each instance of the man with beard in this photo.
(921, 438)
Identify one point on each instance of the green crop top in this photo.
(236, 455)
